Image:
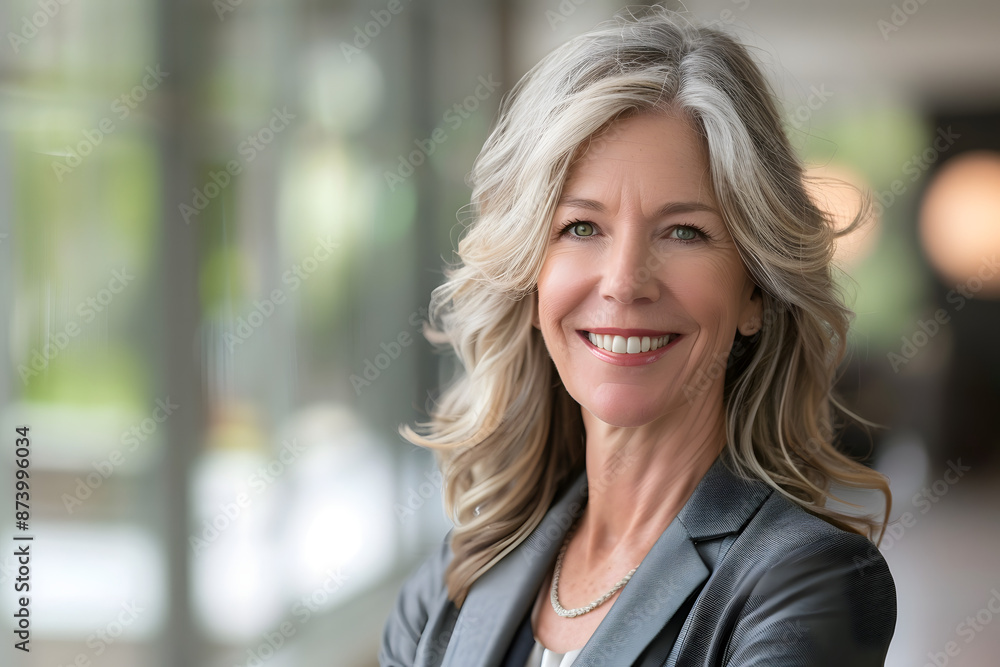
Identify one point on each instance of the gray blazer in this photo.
(740, 577)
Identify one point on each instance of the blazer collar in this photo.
(721, 504)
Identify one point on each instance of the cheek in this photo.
(726, 270)
(561, 286)
(554, 304)
(712, 285)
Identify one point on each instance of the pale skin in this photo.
(637, 242)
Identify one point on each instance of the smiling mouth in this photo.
(629, 344)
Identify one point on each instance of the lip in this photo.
(640, 359)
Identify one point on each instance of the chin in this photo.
(623, 411)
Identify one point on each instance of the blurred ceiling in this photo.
(931, 53)
(941, 54)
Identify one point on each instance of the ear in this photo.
(534, 311)
(750, 314)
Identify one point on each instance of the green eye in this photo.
(686, 233)
(582, 229)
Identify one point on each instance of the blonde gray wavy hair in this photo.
(505, 432)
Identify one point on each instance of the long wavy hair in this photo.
(505, 431)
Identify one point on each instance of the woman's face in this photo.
(640, 256)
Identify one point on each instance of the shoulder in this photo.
(421, 595)
(783, 532)
(807, 590)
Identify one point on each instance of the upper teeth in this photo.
(630, 345)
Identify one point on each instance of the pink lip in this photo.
(640, 359)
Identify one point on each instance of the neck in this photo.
(639, 479)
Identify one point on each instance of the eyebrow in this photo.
(667, 209)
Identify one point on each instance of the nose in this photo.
(629, 271)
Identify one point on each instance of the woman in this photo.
(637, 457)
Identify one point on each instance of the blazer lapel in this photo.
(498, 601)
(671, 572)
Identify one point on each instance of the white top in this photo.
(543, 657)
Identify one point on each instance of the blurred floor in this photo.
(947, 569)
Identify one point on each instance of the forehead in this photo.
(649, 151)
